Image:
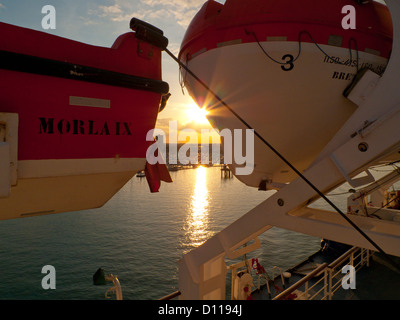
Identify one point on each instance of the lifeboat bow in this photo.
(282, 68)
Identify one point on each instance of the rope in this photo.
(299, 51)
(374, 213)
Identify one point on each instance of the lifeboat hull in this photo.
(285, 78)
(75, 119)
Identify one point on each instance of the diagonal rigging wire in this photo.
(180, 63)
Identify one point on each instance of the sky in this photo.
(100, 22)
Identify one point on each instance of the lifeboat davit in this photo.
(283, 66)
(74, 117)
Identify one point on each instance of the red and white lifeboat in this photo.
(282, 66)
(74, 117)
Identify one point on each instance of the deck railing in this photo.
(331, 281)
(324, 288)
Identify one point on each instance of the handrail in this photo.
(280, 272)
(343, 257)
(328, 274)
(171, 295)
(299, 283)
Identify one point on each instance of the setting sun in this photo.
(195, 114)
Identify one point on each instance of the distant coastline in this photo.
(205, 150)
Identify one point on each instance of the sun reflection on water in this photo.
(196, 225)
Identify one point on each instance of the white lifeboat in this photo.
(283, 67)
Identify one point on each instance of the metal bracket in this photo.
(356, 182)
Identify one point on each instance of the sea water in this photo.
(138, 236)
